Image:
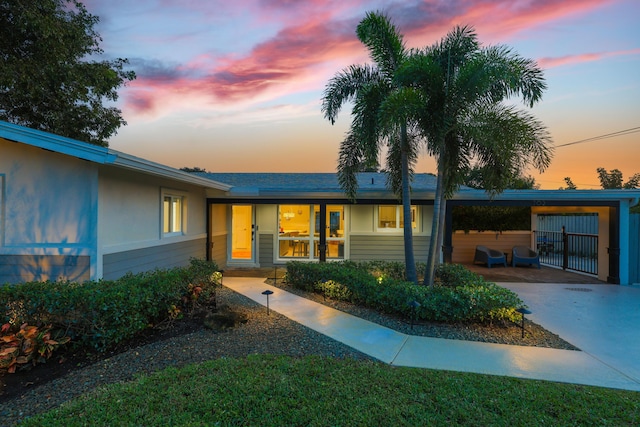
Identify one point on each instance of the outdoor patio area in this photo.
(531, 274)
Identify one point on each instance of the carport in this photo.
(612, 207)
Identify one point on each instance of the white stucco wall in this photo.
(48, 211)
(130, 213)
(49, 205)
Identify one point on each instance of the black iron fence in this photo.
(571, 251)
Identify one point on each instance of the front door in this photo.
(242, 233)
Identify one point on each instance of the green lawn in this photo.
(312, 391)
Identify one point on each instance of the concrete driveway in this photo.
(602, 320)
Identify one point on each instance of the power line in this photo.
(605, 136)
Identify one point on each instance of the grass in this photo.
(314, 391)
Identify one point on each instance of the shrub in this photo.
(100, 314)
(459, 296)
(455, 275)
(28, 345)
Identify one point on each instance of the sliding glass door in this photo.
(299, 233)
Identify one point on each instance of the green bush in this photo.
(458, 296)
(100, 314)
(455, 275)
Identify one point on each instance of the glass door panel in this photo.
(242, 232)
(295, 231)
(335, 232)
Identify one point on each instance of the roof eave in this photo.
(145, 166)
(100, 155)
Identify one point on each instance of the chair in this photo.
(488, 256)
(524, 255)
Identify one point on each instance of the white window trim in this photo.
(174, 194)
(397, 229)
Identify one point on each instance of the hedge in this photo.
(458, 296)
(100, 314)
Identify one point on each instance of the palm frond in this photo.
(383, 41)
(505, 141)
(349, 164)
(512, 75)
(343, 87)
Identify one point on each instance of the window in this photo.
(299, 231)
(172, 214)
(296, 237)
(391, 217)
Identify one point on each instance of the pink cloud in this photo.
(316, 37)
(585, 57)
(495, 20)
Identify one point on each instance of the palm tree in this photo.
(459, 88)
(369, 87)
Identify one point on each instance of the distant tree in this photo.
(193, 169)
(570, 184)
(613, 179)
(610, 180)
(49, 79)
(474, 179)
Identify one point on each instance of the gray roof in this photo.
(370, 184)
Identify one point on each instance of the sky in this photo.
(236, 86)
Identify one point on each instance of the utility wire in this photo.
(605, 136)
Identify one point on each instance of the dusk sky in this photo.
(236, 86)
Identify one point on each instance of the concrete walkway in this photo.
(588, 367)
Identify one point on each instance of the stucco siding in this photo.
(48, 212)
(164, 256)
(28, 268)
(390, 248)
(131, 207)
(49, 199)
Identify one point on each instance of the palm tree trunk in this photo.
(409, 258)
(442, 214)
(434, 251)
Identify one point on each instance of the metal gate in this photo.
(571, 251)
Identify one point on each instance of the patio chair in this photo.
(488, 256)
(524, 255)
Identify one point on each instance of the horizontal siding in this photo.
(265, 250)
(219, 250)
(166, 256)
(464, 244)
(390, 248)
(28, 268)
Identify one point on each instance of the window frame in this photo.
(398, 228)
(173, 196)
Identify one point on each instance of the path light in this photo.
(522, 312)
(267, 293)
(216, 279)
(275, 274)
(414, 306)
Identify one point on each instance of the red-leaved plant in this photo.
(29, 345)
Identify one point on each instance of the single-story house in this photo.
(77, 211)
(269, 219)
